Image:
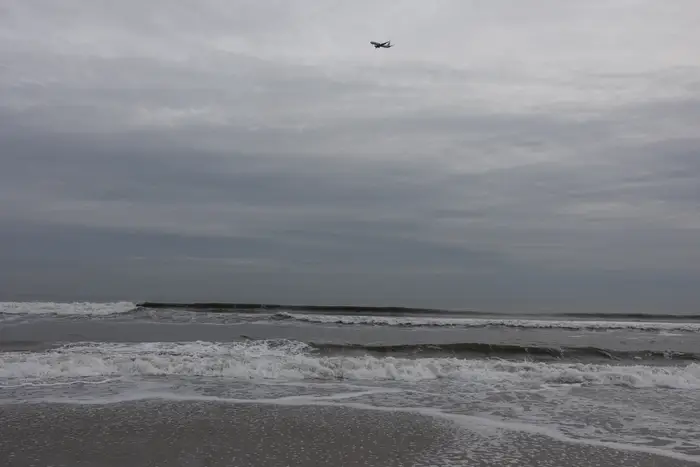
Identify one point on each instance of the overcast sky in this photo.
(504, 155)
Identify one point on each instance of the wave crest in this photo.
(292, 360)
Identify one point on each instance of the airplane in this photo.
(384, 45)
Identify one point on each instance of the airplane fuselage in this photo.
(381, 45)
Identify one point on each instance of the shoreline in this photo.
(213, 433)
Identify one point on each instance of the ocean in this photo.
(125, 384)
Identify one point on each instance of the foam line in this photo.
(414, 321)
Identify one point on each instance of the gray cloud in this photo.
(500, 156)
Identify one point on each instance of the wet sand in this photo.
(209, 434)
(198, 434)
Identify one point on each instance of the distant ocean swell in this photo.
(292, 360)
(107, 308)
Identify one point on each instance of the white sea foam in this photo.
(65, 309)
(415, 321)
(485, 396)
(295, 361)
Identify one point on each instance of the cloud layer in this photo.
(501, 156)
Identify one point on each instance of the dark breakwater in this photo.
(223, 307)
(233, 307)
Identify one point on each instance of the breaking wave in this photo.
(292, 360)
(415, 321)
(66, 309)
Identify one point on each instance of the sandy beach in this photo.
(161, 433)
